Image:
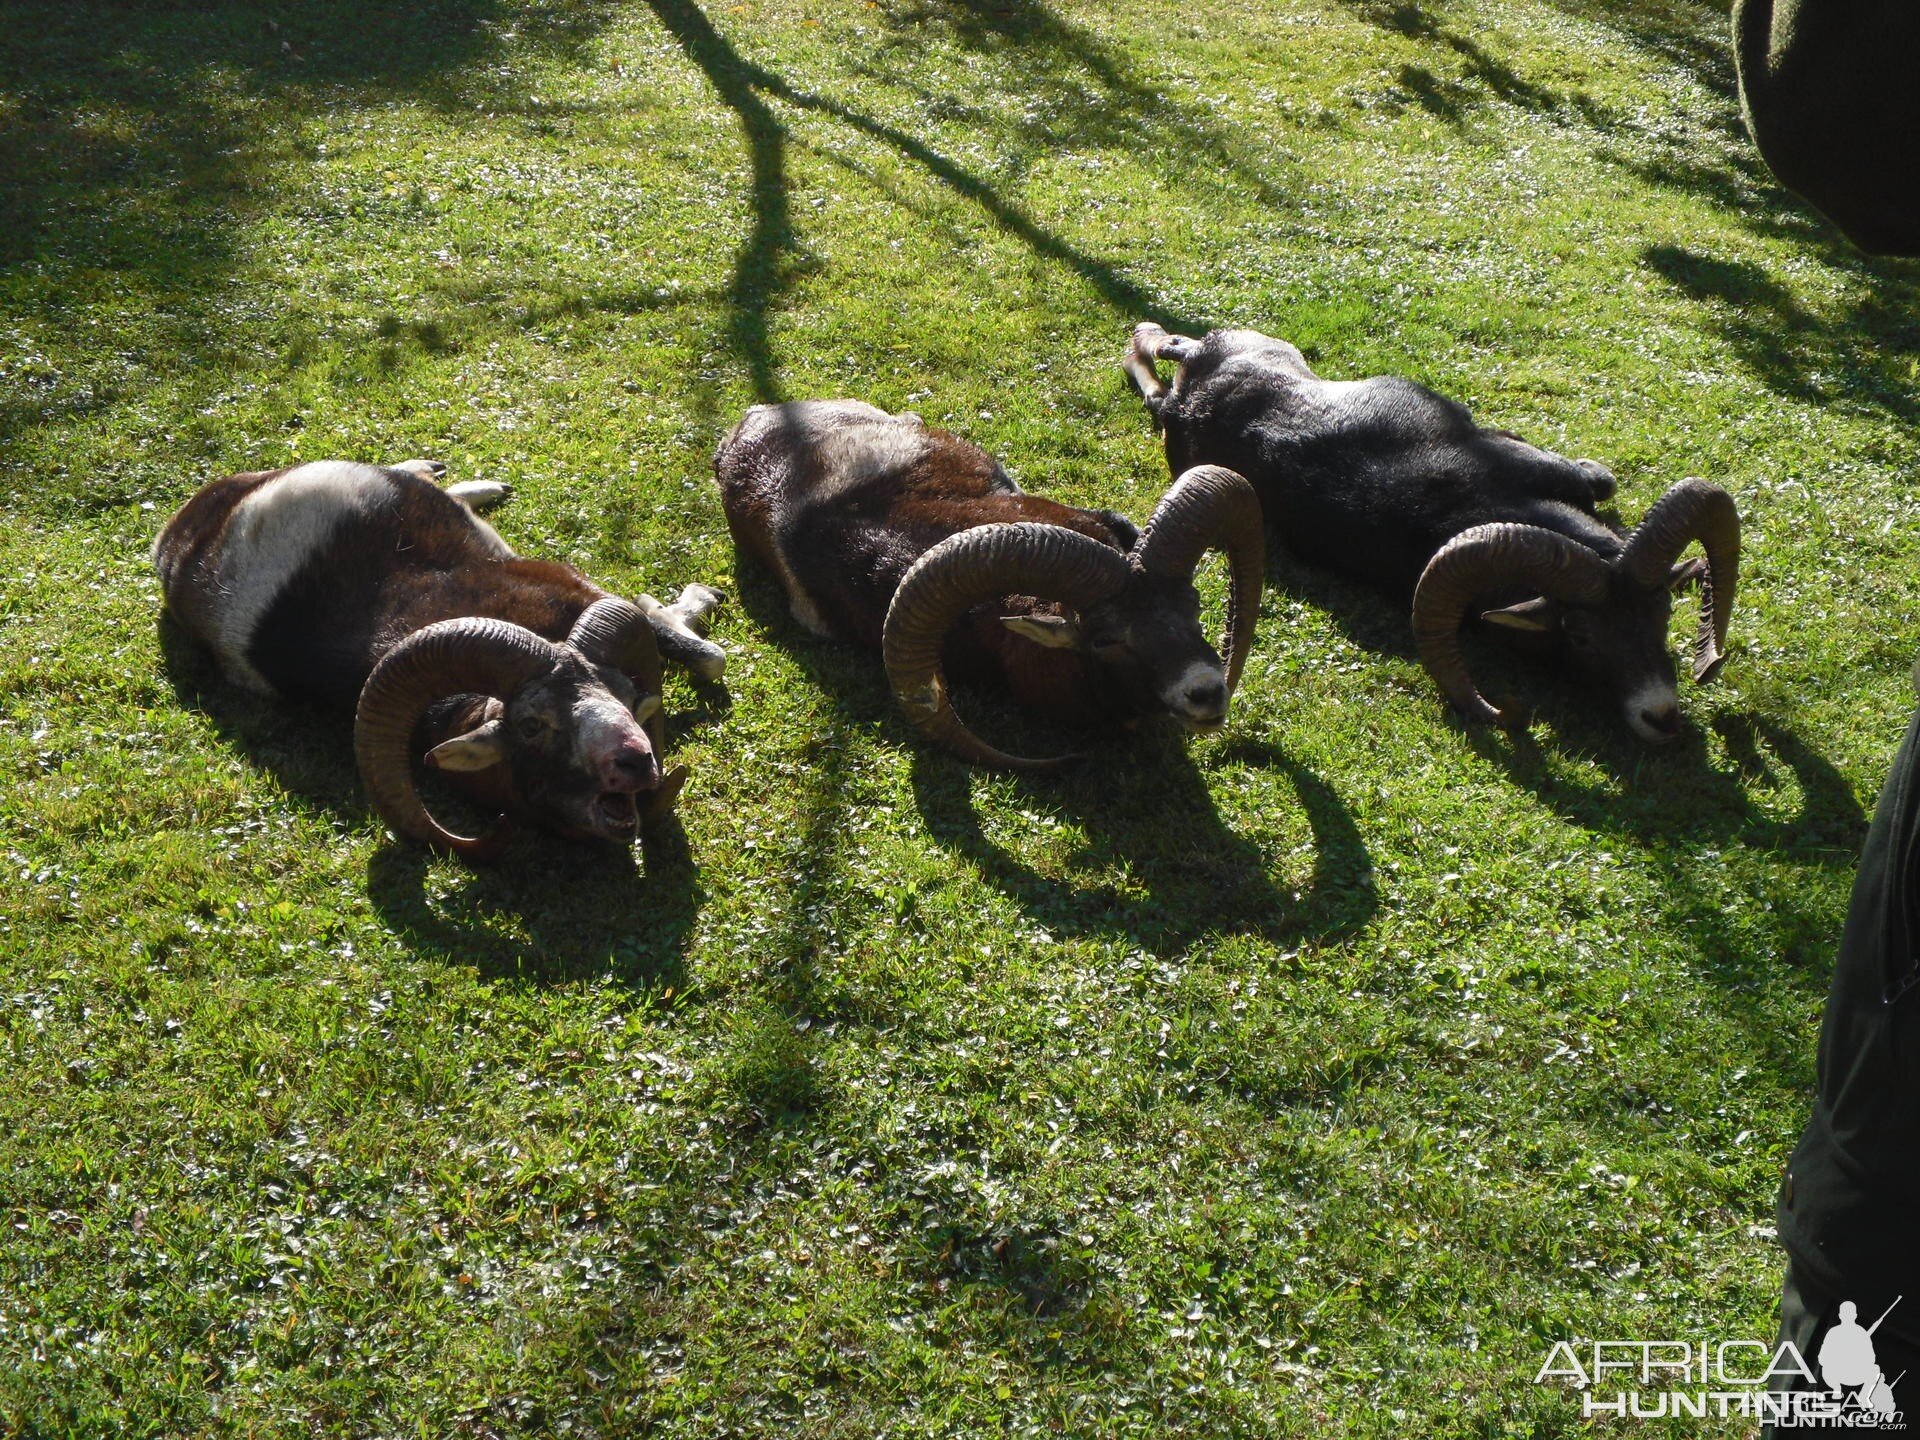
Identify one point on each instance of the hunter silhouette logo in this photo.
(1848, 1365)
(1702, 1379)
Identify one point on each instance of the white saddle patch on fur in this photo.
(856, 455)
(270, 536)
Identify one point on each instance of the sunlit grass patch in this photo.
(1310, 1078)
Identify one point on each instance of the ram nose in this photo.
(1654, 714)
(1199, 698)
(632, 768)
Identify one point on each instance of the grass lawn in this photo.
(1312, 1079)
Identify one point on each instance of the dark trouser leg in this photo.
(1807, 1313)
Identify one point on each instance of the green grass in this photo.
(1311, 1079)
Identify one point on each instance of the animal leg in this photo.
(478, 495)
(694, 605)
(680, 631)
(1149, 344)
(1600, 478)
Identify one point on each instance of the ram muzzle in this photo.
(478, 656)
(1515, 557)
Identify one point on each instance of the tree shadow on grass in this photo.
(1690, 36)
(131, 144)
(1859, 360)
(135, 161)
(771, 259)
(1693, 36)
(549, 909)
(1077, 92)
(1484, 78)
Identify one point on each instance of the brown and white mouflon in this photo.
(890, 533)
(372, 589)
(1385, 481)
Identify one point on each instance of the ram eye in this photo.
(530, 727)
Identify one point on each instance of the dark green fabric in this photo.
(1832, 95)
(1849, 1209)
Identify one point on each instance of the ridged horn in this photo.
(1692, 510)
(957, 574)
(1212, 507)
(455, 657)
(616, 633)
(1476, 561)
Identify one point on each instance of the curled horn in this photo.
(1211, 506)
(1692, 510)
(1480, 559)
(616, 633)
(957, 574)
(454, 657)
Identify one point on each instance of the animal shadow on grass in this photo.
(1033, 1265)
(1369, 619)
(1673, 792)
(548, 908)
(1144, 807)
(1140, 798)
(1676, 793)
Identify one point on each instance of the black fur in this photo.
(1367, 478)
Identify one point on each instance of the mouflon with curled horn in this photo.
(892, 534)
(372, 589)
(1387, 482)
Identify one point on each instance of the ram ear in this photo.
(1686, 574)
(1536, 617)
(1056, 632)
(479, 749)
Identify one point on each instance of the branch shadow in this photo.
(1077, 91)
(1689, 35)
(1860, 360)
(1484, 78)
(771, 258)
(572, 910)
